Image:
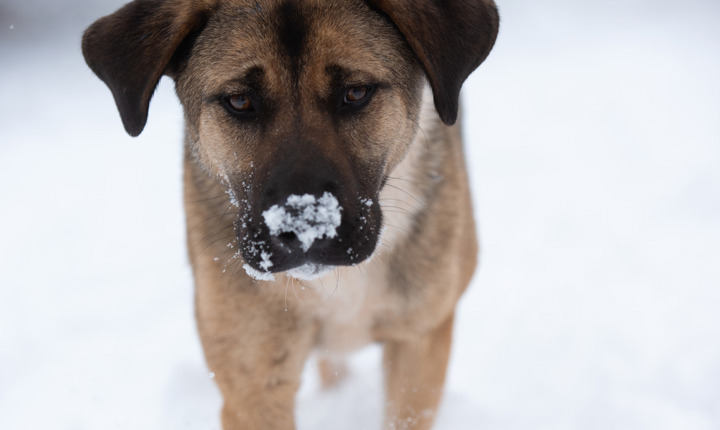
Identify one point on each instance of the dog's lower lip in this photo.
(310, 271)
(306, 272)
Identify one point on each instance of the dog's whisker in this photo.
(375, 264)
(216, 238)
(397, 209)
(361, 268)
(322, 286)
(207, 199)
(384, 245)
(402, 177)
(287, 282)
(310, 287)
(425, 139)
(208, 220)
(211, 219)
(398, 212)
(405, 179)
(404, 230)
(337, 284)
(409, 194)
(394, 201)
(295, 291)
(235, 265)
(222, 228)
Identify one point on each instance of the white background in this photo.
(593, 140)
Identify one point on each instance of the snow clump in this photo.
(258, 275)
(308, 217)
(265, 265)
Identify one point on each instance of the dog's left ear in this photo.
(131, 49)
(450, 38)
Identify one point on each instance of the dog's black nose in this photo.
(288, 238)
(301, 174)
(291, 245)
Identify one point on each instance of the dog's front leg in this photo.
(414, 377)
(256, 350)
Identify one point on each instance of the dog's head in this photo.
(300, 108)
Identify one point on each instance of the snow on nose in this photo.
(308, 217)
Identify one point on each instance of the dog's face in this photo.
(299, 108)
(303, 98)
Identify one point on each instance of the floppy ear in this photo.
(450, 38)
(131, 49)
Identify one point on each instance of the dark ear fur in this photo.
(131, 49)
(450, 38)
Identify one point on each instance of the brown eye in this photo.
(240, 103)
(357, 94)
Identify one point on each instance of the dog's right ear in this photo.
(131, 49)
(450, 38)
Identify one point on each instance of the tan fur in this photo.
(394, 156)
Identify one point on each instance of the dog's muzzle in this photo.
(307, 235)
(305, 215)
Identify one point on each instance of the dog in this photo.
(325, 188)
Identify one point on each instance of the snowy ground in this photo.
(593, 134)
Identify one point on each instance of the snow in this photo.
(257, 274)
(230, 192)
(308, 217)
(593, 144)
(265, 265)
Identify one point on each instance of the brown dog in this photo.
(309, 135)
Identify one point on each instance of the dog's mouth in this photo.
(307, 236)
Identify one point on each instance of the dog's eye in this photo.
(240, 103)
(357, 94)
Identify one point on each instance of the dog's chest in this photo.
(351, 301)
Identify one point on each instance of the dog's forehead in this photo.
(292, 39)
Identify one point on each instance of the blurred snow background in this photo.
(593, 135)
